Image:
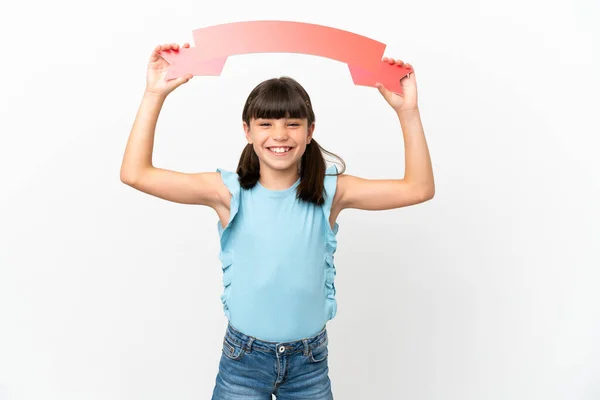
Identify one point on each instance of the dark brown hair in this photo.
(278, 98)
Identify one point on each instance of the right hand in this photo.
(157, 70)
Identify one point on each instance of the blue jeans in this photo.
(254, 369)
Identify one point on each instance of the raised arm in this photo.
(137, 169)
(417, 185)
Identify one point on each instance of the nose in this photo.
(280, 134)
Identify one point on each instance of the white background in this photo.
(489, 291)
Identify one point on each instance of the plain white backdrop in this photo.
(487, 292)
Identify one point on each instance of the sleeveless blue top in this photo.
(277, 257)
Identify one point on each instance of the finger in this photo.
(182, 79)
(383, 90)
(155, 54)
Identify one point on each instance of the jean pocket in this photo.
(318, 354)
(232, 350)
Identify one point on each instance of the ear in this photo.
(247, 132)
(311, 129)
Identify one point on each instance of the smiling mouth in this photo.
(279, 151)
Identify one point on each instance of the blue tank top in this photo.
(277, 257)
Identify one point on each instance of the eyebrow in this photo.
(272, 119)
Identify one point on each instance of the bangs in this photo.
(277, 100)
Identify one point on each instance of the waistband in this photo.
(250, 343)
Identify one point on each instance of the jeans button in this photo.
(281, 349)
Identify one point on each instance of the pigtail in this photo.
(312, 173)
(248, 167)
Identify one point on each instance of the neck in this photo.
(278, 179)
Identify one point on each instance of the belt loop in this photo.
(306, 348)
(249, 344)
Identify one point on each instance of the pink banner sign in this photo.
(214, 44)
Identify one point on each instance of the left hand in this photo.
(408, 100)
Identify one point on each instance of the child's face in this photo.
(279, 143)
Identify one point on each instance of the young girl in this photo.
(277, 225)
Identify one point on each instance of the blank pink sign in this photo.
(215, 43)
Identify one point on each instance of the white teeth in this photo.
(279, 149)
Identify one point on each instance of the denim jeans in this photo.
(254, 369)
